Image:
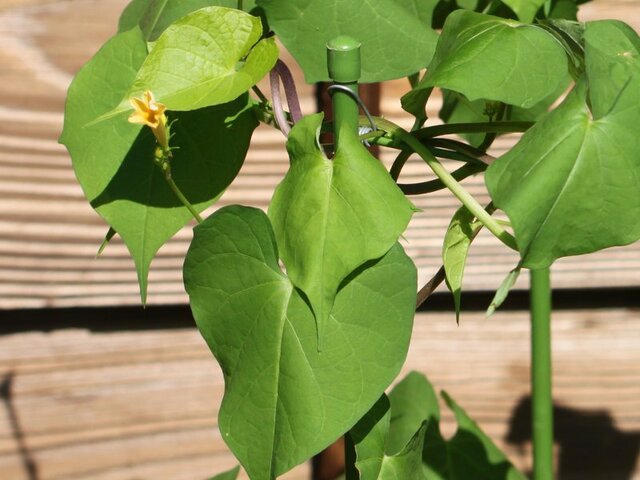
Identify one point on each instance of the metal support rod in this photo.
(541, 371)
(343, 60)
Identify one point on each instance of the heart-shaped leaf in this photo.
(413, 401)
(286, 400)
(331, 216)
(486, 57)
(470, 454)
(113, 159)
(209, 57)
(393, 44)
(154, 16)
(570, 186)
(373, 462)
(525, 9)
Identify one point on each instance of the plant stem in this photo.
(435, 185)
(542, 400)
(240, 5)
(163, 160)
(259, 93)
(399, 163)
(484, 127)
(450, 182)
(181, 197)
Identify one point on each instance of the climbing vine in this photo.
(158, 125)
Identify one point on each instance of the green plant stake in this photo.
(343, 63)
(542, 405)
(343, 59)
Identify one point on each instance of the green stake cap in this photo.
(343, 59)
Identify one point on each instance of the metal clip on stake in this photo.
(361, 130)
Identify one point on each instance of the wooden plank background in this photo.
(76, 404)
(49, 234)
(142, 405)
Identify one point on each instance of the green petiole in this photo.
(163, 161)
(449, 181)
(484, 127)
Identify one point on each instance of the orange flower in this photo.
(151, 113)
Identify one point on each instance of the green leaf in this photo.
(113, 159)
(456, 108)
(570, 186)
(485, 57)
(107, 238)
(525, 9)
(455, 248)
(284, 399)
(570, 34)
(209, 57)
(415, 103)
(370, 435)
(396, 35)
(154, 16)
(331, 216)
(503, 290)
(230, 475)
(132, 15)
(470, 454)
(413, 402)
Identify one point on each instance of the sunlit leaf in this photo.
(331, 216)
(396, 35)
(525, 9)
(154, 16)
(455, 248)
(570, 186)
(285, 399)
(485, 57)
(113, 159)
(209, 57)
(370, 436)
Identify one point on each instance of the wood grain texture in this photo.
(143, 404)
(49, 234)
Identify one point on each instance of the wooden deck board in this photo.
(123, 405)
(116, 405)
(46, 222)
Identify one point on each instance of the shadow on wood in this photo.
(590, 447)
(6, 395)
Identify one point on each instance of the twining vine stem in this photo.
(449, 181)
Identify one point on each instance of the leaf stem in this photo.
(240, 4)
(483, 127)
(259, 93)
(450, 182)
(435, 185)
(182, 198)
(163, 161)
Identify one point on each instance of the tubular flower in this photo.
(151, 113)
